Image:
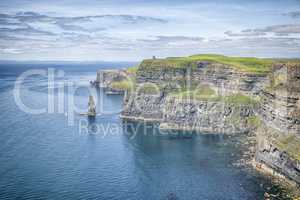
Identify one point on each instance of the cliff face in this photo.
(280, 101)
(143, 107)
(106, 77)
(280, 111)
(278, 92)
(224, 78)
(212, 115)
(279, 136)
(228, 80)
(206, 116)
(112, 80)
(279, 151)
(183, 114)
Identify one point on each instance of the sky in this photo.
(123, 30)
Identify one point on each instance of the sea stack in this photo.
(92, 107)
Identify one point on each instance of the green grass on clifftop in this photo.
(244, 64)
(132, 70)
(123, 85)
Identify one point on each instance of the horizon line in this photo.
(78, 61)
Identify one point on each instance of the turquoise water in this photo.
(43, 157)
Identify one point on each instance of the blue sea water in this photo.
(42, 156)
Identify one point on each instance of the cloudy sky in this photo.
(88, 30)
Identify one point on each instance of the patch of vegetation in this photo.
(240, 99)
(245, 64)
(132, 70)
(203, 92)
(123, 85)
(169, 63)
(254, 121)
(289, 143)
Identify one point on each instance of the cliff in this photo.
(113, 81)
(278, 151)
(223, 77)
(279, 136)
(223, 95)
(194, 115)
(209, 93)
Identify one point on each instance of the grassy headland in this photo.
(244, 64)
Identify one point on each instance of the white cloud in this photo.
(110, 30)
